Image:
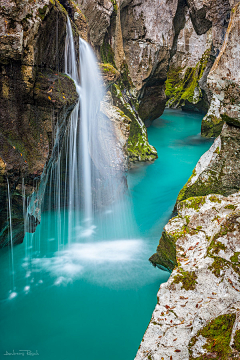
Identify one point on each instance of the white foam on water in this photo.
(12, 295)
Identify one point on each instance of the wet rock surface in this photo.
(35, 99)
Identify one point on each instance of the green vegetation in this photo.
(138, 146)
(209, 184)
(42, 12)
(235, 257)
(193, 202)
(211, 126)
(230, 206)
(229, 120)
(187, 278)
(215, 199)
(218, 335)
(115, 7)
(107, 54)
(181, 83)
(166, 253)
(236, 343)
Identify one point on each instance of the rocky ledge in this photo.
(198, 311)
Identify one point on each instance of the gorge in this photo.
(91, 170)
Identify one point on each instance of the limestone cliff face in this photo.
(35, 99)
(176, 40)
(197, 314)
(224, 82)
(217, 171)
(98, 14)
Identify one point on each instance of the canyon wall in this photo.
(197, 315)
(179, 53)
(36, 99)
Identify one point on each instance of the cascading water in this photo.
(85, 288)
(94, 163)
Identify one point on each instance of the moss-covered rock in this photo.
(217, 171)
(109, 74)
(188, 279)
(35, 97)
(182, 86)
(212, 122)
(197, 314)
(217, 335)
(139, 148)
(165, 257)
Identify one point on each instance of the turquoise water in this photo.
(93, 299)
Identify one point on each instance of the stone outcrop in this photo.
(197, 314)
(198, 44)
(147, 45)
(138, 146)
(36, 98)
(98, 14)
(224, 81)
(217, 171)
(121, 124)
(188, 69)
(109, 74)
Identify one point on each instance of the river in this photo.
(93, 299)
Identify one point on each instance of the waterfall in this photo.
(94, 162)
(85, 197)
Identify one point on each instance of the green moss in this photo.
(106, 68)
(180, 86)
(235, 257)
(107, 54)
(209, 184)
(166, 253)
(230, 206)
(187, 278)
(125, 81)
(115, 7)
(211, 126)
(215, 247)
(181, 195)
(218, 335)
(229, 120)
(42, 12)
(138, 146)
(215, 199)
(218, 265)
(194, 202)
(236, 343)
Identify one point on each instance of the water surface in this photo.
(93, 298)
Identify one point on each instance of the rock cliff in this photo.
(197, 315)
(181, 52)
(36, 98)
(223, 80)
